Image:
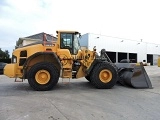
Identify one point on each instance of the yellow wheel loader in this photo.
(42, 63)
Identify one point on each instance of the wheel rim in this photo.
(105, 76)
(42, 77)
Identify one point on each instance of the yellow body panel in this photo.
(34, 49)
(10, 70)
(81, 72)
(158, 62)
(65, 58)
(85, 57)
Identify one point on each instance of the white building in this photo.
(119, 48)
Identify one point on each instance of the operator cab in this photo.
(69, 40)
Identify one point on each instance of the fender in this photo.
(44, 55)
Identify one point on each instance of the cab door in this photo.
(66, 41)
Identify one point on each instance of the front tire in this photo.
(104, 76)
(43, 76)
(88, 78)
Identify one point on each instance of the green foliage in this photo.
(4, 54)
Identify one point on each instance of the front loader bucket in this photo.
(134, 76)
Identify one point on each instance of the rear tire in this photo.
(43, 76)
(104, 76)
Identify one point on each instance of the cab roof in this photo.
(66, 31)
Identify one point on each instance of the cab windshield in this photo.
(76, 45)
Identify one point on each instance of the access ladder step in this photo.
(67, 73)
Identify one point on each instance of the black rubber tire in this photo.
(95, 80)
(88, 78)
(53, 71)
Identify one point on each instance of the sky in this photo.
(130, 19)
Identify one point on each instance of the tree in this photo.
(7, 54)
(4, 54)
